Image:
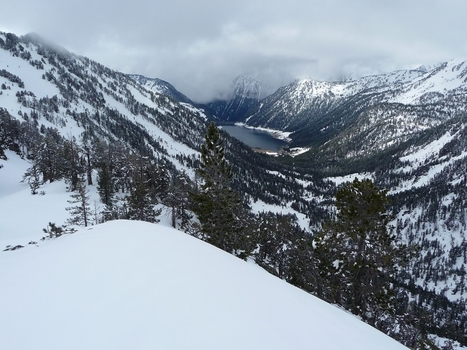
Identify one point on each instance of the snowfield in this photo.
(136, 285)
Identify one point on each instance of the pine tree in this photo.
(33, 177)
(276, 235)
(81, 211)
(105, 185)
(218, 208)
(285, 250)
(71, 166)
(86, 145)
(161, 182)
(177, 199)
(140, 204)
(357, 253)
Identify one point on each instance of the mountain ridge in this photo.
(161, 87)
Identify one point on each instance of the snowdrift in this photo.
(135, 285)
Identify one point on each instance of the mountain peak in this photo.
(247, 86)
(246, 91)
(160, 86)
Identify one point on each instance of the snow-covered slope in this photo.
(53, 91)
(160, 86)
(445, 80)
(73, 94)
(291, 107)
(135, 285)
(128, 284)
(24, 215)
(388, 103)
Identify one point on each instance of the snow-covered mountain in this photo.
(246, 93)
(161, 87)
(72, 93)
(290, 106)
(394, 105)
(49, 89)
(406, 130)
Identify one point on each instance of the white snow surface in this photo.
(136, 285)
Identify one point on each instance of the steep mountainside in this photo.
(292, 106)
(390, 106)
(49, 89)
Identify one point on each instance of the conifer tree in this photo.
(33, 177)
(86, 145)
(177, 199)
(70, 165)
(140, 202)
(357, 253)
(81, 211)
(276, 236)
(218, 208)
(161, 182)
(105, 185)
(285, 250)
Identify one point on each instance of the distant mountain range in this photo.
(361, 118)
(246, 94)
(315, 111)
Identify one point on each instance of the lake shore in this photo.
(260, 140)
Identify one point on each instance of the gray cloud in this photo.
(201, 46)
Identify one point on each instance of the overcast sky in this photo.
(200, 46)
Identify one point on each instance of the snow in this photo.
(259, 207)
(430, 150)
(195, 110)
(141, 98)
(25, 215)
(420, 156)
(441, 79)
(31, 76)
(278, 134)
(339, 180)
(297, 151)
(135, 285)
